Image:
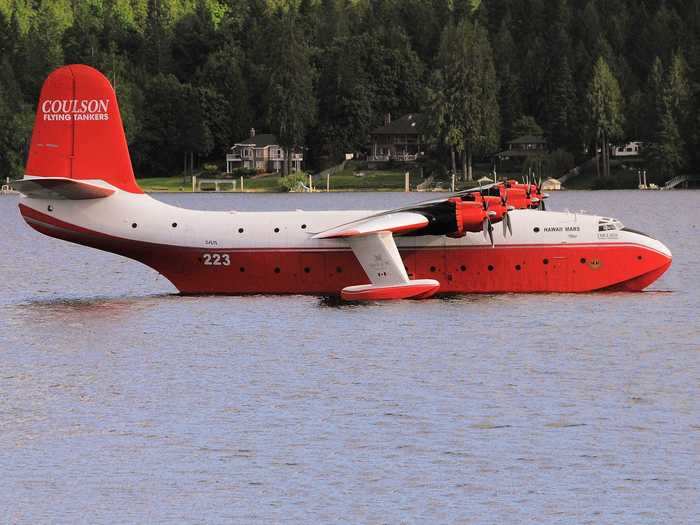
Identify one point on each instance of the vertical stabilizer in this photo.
(78, 132)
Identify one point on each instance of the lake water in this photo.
(122, 402)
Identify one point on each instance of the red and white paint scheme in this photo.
(80, 187)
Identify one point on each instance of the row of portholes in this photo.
(491, 268)
(307, 269)
(276, 230)
(240, 230)
(135, 225)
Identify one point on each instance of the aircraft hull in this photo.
(514, 267)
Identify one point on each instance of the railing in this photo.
(6, 189)
(399, 157)
(230, 157)
(675, 181)
(217, 183)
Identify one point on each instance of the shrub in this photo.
(243, 172)
(293, 181)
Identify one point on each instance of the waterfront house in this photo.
(399, 140)
(631, 149)
(261, 153)
(551, 184)
(525, 146)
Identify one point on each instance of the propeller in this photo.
(488, 231)
(507, 227)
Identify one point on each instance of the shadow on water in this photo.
(88, 307)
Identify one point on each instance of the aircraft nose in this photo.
(660, 247)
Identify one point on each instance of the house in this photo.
(631, 149)
(261, 153)
(551, 185)
(525, 146)
(400, 140)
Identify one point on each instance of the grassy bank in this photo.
(341, 181)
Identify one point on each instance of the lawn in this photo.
(347, 180)
(174, 184)
(151, 184)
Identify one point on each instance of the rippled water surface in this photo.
(122, 402)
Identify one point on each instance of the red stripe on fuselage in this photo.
(459, 269)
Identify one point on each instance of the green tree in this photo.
(666, 154)
(605, 106)
(345, 97)
(527, 125)
(671, 116)
(470, 92)
(291, 108)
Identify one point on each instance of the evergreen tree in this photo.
(605, 105)
(291, 108)
(470, 92)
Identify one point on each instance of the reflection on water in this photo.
(125, 402)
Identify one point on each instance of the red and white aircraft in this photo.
(80, 187)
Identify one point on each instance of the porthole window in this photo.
(49, 208)
(240, 230)
(536, 229)
(242, 269)
(303, 226)
(307, 270)
(432, 269)
(339, 270)
(583, 260)
(277, 270)
(518, 267)
(174, 225)
(134, 225)
(545, 261)
(490, 267)
(639, 257)
(277, 230)
(463, 268)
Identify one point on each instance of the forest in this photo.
(193, 76)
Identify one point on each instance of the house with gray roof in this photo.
(399, 140)
(525, 146)
(261, 153)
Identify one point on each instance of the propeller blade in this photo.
(488, 231)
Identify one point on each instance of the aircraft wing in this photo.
(60, 188)
(398, 222)
(372, 241)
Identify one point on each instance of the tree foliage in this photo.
(193, 76)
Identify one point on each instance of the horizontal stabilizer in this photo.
(60, 188)
(399, 222)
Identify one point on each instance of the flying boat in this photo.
(79, 186)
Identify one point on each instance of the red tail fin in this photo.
(78, 131)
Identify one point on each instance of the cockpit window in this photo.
(607, 224)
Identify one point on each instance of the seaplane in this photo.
(79, 186)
